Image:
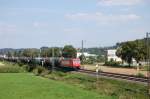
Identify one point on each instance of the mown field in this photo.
(19, 84)
(28, 86)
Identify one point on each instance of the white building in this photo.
(86, 54)
(111, 55)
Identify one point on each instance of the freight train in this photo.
(46, 62)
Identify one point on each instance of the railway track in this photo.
(116, 75)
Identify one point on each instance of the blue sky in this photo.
(36, 23)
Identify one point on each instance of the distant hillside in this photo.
(95, 50)
(98, 50)
(7, 50)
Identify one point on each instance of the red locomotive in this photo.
(71, 62)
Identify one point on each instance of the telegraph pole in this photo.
(148, 60)
(137, 64)
(40, 53)
(53, 59)
(42, 62)
(82, 47)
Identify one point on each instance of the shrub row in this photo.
(40, 71)
(19, 68)
(11, 69)
(112, 63)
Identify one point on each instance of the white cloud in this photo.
(36, 24)
(140, 30)
(7, 28)
(72, 30)
(103, 18)
(119, 2)
(39, 24)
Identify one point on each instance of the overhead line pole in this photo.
(148, 60)
(53, 59)
(82, 47)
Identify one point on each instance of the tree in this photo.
(132, 49)
(100, 58)
(57, 51)
(126, 52)
(69, 51)
(140, 51)
(82, 58)
(30, 52)
(9, 53)
(44, 51)
(47, 52)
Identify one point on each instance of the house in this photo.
(111, 55)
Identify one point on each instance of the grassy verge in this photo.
(113, 88)
(28, 86)
(11, 68)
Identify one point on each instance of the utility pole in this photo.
(148, 60)
(42, 62)
(137, 64)
(53, 58)
(82, 47)
(82, 53)
(40, 53)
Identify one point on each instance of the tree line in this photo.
(130, 50)
(67, 51)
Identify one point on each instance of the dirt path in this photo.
(129, 71)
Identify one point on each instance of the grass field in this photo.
(28, 86)
(116, 89)
(17, 83)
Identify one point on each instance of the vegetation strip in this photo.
(112, 89)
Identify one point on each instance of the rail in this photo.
(116, 75)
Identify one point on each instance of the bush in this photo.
(20, 63)
(30, 68)
(140, 75)
(112, 63)
(60, 74)
(40, 71)
(88, 61)
(11, 69)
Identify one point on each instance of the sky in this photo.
(99, 23)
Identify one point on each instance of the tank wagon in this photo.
(46, 62)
